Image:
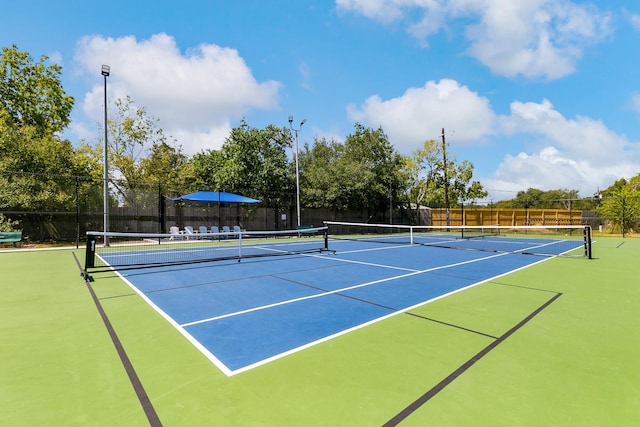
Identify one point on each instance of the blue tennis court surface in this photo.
(244, 314)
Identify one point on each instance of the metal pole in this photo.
(446, 178)
(105, 73)
(297, 166)
(297, 180)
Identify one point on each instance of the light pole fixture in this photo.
(105, 72)
(297, 166)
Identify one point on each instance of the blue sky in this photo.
(535, 93)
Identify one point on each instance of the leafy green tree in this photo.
(324, 184)
(140, 155)
(620, 206)
(252, 161)
(167, 166)
(422, 168)
(206, 165)
(31, 93)
(374, 169)
(461, 186)
(363, 173)
(426, 168)
(37, 168)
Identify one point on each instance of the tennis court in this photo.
(361, 333)
(243, 314)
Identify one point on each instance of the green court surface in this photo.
(500, 362)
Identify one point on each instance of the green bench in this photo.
(10, 237)
(306, 230)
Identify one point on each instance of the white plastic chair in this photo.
(175, 232)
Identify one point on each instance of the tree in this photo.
(620, 206)
(132, 135)
(460, 185)
(252, 161)
(32, 94)
(363, 173)
(431, 176)
(622, 210)
(324, 185)
(167, 166)
(422, 172)
(37, 168)
(374, 169)
(206, 165)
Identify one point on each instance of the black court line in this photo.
(147, 406)
(392, 309)
(451, 325)
(406, 412)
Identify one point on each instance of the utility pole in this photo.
(446, 179)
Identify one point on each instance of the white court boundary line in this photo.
(349, 288)
(229, 372)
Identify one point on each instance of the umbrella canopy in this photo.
(215, 197)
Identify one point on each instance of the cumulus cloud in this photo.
(420, 114)
(574, 153)
(534, 38)
(581, 138)
(195, 94)
(579, 153)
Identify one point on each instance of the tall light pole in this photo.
(446, 178)
(297, 166)
(105, 72)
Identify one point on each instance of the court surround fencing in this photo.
(56, 208)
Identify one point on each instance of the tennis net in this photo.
(571, 240)
(140, 250)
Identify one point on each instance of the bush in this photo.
(7, 224)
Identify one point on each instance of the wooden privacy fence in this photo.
(506, 216)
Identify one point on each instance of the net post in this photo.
(90, 252)
(587, 241)
(326, 239)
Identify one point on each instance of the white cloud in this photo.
(562, 153)
(579, 138)
(195, 95)
(379, 10)
(580, 153)
(533, 38)
(421, 113)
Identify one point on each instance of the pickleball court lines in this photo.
(429, 394)
(338, 291)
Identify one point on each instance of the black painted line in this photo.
(452, 325)
(388, 308)
(406, 412)
(147, 406)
